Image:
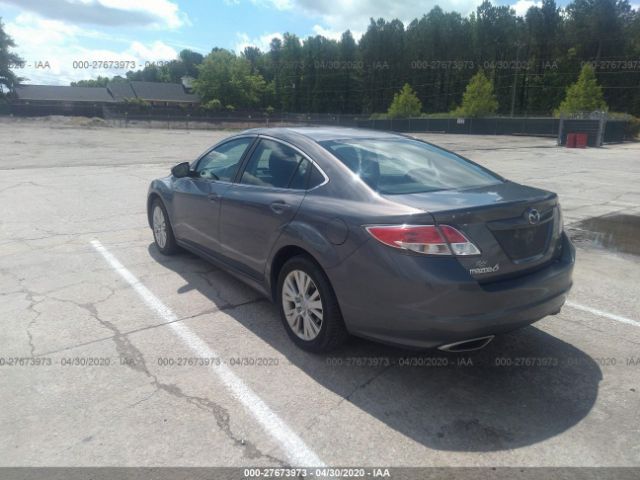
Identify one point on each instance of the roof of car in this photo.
(320, 134)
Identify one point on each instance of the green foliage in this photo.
(137, 102)
(223, 75)
(214, 105)
(189, 61)
(531, 60)
(98, 82)
(169, 71)
(405, 104)
(8, 60)
(583, 96)
(478, 99)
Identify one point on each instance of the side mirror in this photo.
(181, 170)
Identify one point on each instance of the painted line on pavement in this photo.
(602, 313)
(298, 453)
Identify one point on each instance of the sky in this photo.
(68, 40)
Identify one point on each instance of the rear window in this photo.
(401, 166)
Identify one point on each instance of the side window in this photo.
(222, 162)
(315, 178)
(273, 164)
(299, 180)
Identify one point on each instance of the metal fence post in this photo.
(560, 126)
(602, 124)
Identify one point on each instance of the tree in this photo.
(405, 104)
(214, 105)
(150, 73)
(228, 78)
(583, 96)
(478, 99)
(384, 65)
(190, 61)
(530, 59)
(348, 78)
(7, 60)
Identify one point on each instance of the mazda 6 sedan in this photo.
(373, 234)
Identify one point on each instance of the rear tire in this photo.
(162, 232)
(308, 306)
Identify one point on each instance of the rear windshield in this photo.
(401, 166)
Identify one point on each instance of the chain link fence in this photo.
(598, 127)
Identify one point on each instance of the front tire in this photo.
(308, 306)
(162, 232)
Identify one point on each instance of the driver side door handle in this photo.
(278, 207)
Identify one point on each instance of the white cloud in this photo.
(354, 15)
(50, 48)
(157, 51)
(166, 11)
(522, 6)
(262, 42)
(277, 4)
(158, 13)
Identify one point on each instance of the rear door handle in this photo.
(279, 207)
(213, 197)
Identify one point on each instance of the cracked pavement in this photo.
(92, 377)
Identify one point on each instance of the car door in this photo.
(256, 208)
(197, 197)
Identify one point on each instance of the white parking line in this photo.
(602, 313)
(298, 453)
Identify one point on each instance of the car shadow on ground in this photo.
(525, 387)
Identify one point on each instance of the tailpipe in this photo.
(467, 345)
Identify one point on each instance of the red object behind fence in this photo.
(571, 140)
(581, 140)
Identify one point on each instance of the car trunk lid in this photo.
(515, 227)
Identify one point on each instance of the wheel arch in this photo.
(281, 257)
(150, 199)
(300, 238)
(160, 189)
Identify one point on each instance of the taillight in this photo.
(427, 239)
(460, 244)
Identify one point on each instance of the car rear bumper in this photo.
(423, 302)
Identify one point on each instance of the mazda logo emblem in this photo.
(533, 216)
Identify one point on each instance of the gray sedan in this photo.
(373, 234)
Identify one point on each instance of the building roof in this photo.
(120, 90)
(162, 92)
(113, 92)
(63, 93)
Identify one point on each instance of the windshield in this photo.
(401, 166)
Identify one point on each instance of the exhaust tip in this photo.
(467, 345)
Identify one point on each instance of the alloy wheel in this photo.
(159, 226)
(302, 305)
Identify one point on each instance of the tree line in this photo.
(530, 61)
